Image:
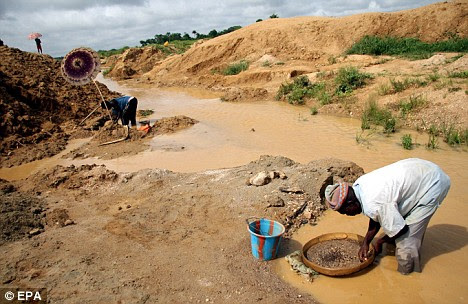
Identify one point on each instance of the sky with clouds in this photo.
(107, 24)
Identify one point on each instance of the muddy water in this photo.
(231, 134)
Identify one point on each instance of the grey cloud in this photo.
(21, 6)
(105, 24)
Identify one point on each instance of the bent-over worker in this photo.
(123, 108)
(401, 198)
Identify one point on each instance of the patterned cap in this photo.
(336, 194)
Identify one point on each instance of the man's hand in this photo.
(378, 245)
(363, 252)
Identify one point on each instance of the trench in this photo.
(233, 134)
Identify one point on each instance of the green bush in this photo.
(389, 125)
(401, 85)
(433, 142)
(463, 74)
(349, 79)
(104, 53)
(374, 115)
(407, 47)
(407, 141)
(398, 86)
(236, 68)
(295, 92)
(415, 101)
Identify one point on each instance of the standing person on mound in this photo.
(401, 198)
(123, 108)
(38, 45)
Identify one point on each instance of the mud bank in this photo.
(157, 235)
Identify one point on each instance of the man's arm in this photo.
(371, 233)
(387, 239)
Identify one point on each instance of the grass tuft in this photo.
(236, 68)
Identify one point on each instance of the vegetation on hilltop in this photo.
(162, 38)
(407, 47)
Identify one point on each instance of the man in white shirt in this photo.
(401, 198)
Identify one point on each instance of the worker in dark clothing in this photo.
(38, 44)
(123, 108)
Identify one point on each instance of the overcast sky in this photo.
(107, 24)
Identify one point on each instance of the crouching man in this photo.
(123, 108)
(401, 198)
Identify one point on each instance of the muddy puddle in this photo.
(232, 134)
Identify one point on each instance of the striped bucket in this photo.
(265, 237)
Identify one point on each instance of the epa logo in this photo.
(32, 296)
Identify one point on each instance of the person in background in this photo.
(123, 108)
(38, 45)
(400, 198)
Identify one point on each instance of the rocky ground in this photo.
(90, 235)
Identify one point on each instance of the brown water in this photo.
(232, 134)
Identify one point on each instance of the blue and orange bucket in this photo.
(265, 237)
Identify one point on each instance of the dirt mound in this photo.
(21, 214)
(138, 141)
(84, 178)
(167, 125)
(35, 102)
(134, 62)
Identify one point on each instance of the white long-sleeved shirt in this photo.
(404, 192)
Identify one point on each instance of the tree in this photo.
(213, 33)
(259, 20)
(274, 16)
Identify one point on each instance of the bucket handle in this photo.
(252, 219)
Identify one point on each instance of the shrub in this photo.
(301, 87)
(384, 89)
(415, 101)
(313, 111)
(389, 125)
(452, 136)
(433, 142)
(374, 115)
(433, 77)
(398, 86)
(463, 74)
(412, 48)
(236, 68)
(107, 71)
(407, 141)
(349, 78)
(107, 53)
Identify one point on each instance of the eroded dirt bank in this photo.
(38, 107)
(280, 49)
(156, 235)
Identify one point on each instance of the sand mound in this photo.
(135, 61)
(307, 39)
